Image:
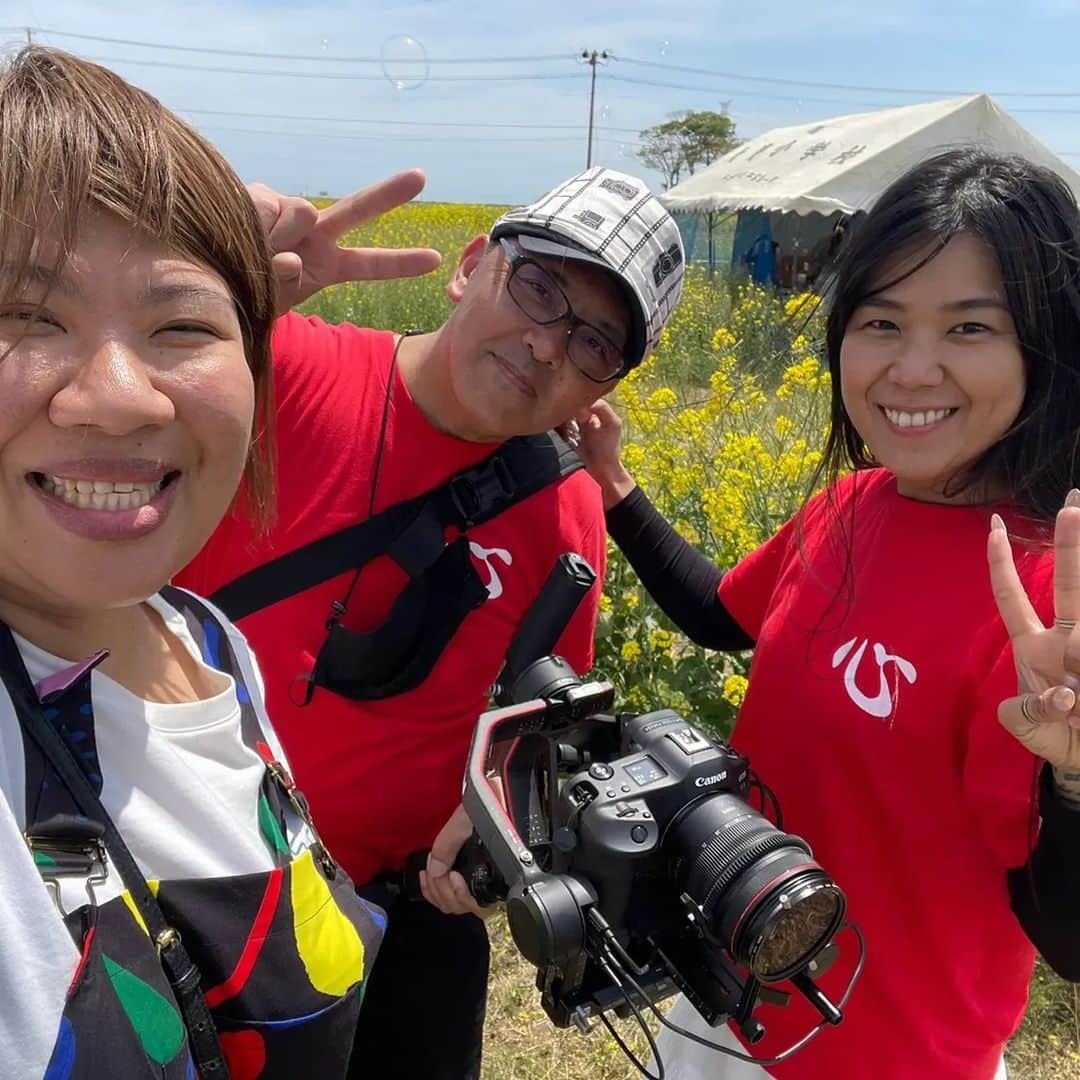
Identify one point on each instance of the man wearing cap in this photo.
(562, 299)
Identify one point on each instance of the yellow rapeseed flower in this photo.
(804, 304)
(735, 690)
(723, 340)
(662, 398)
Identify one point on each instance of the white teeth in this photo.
(101, 494)
(917, 419)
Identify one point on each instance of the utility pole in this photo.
(29, 36)
(592, 59)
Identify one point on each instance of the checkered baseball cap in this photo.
(611, 219)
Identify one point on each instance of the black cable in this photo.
(767, 793)
(791, 1050)
(611, 964)
(634, 1059)
(340, 607)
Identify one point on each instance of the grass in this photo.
(520, 1041)
(521, 1044)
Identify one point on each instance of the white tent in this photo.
(843, 164)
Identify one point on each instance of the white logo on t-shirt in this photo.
(485, 555)
(883, 703)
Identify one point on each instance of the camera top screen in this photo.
(645, 771)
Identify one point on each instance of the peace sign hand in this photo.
(1045, 715)
(305, 241)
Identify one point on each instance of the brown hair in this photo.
(76, 137)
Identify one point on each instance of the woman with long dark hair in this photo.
(883, 706)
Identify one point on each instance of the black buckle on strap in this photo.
(475, 493)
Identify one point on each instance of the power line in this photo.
(396, 123)
(844, 86)
(405, 65)
(801, 99)
(540, 58)
(746, 93)
(319, 58)
(391, 138)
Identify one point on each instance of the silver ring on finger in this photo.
(1065, 624)
(1027, 707)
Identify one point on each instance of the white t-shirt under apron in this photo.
(183, 790)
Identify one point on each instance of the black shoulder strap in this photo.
(183, 975)
(521, 467)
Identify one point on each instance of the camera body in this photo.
(631, 861)
(611, 816)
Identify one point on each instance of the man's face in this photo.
(509, 374)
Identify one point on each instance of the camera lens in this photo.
(763, 896)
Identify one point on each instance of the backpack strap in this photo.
(410, 532)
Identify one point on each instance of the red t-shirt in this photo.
(872, 713)
(382, 777)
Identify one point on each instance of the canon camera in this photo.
(628, 853)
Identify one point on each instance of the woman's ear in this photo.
(470, 259)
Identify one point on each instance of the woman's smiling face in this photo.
(126, 405)
(932, 374)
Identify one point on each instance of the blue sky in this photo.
(354, 130)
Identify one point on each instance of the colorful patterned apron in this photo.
(284, 955)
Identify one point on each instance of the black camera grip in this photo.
(551, 611)
(470, 864)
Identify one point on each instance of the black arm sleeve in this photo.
(1045, 892)
(681, 580)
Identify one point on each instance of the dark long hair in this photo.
(1029, 219)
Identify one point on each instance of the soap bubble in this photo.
(324, 44)
(405, 62)
(665, 47)
(604, 115)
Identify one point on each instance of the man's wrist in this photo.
(1067, 783)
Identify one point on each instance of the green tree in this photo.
(685, 141)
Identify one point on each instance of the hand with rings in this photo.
(1045, 715)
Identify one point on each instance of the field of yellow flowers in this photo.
(723, 428)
